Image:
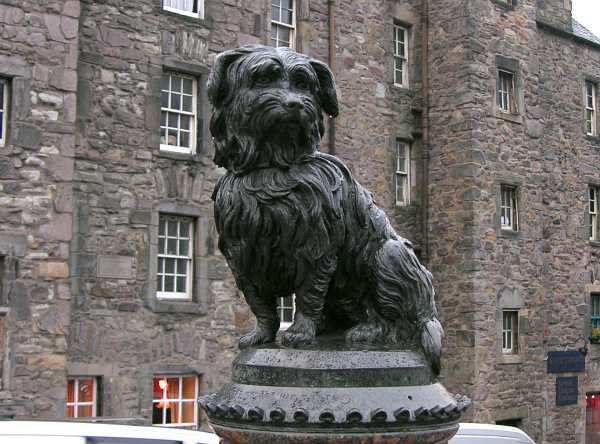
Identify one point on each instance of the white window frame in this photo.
(400, 56)
(402, 174)
(196, 14)
(510, 332)
(76, 403)
(193, 114)
(590, 108)
(509, 208)
(284, 325)
(276, 24)
(593, 211)
(4, 110)
(166, 401)
(187, 295)
(506, 92)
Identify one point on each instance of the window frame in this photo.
(512, 105)
(277, 24)
(512, 207)
(511, 332)
(284, 325)
(174, 295)
(75, 404)
(198, 15)
(401, 58)
(592, 110)
(594, 314)
(4, 109)
(403, 175)
(179, 400)
(193, 134)
(593, 215)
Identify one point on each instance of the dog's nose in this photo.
(294, 104)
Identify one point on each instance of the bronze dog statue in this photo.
(292, 220)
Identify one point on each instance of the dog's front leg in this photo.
(267, 322)
(310, 300)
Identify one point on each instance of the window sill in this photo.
(506, 359)
(195, 20)
(190, 157)
(507, 232)
(170, 306)
(514, 118)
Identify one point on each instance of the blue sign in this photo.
(566, 362)
(567, 392)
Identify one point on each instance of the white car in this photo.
(42, 432)
(471, 433)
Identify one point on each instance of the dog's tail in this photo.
(405, 296)
(431, 341)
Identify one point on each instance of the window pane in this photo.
(275, 13)
(173, 413)
(172, 228)
(175, 101)
(157, 389)
(185, 122)
(86, 390)
(189, 387)
(175, 83)
(182, 266)
(169, 284)
(286, 16)
(71, 390)
(84, 411)
(164, 82)
(184, 229)
(170, 264)
(188, 86)
(181, 284)
(187, 103)
(157, 413)
(164, 99)
(70, 411)
(159, 286)
(183, 247)
(172, 246)
(286, 4)
(187, 413)
(173, 119)
(284, 34)
(161, 245)
(172, 138)
(172, 388)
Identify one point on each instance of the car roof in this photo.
(67, 428)
(467, 429)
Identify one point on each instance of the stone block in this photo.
(56, 319)
(19, 301)
(465, 338)
(13, 244)
(48, 361)
(53, 270)
(59, 228)
(69, 27)
(63, 201)
(114, 266)
(71, 8)
(7, 169)
(27, 136)
(141, 217)
(61, 168)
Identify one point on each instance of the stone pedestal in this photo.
(333, 395)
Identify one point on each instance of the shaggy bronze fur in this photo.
(292, 220)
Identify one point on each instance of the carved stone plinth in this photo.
(335, 395)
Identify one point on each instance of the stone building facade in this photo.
(467, 119)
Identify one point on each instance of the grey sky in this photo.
(587, 12)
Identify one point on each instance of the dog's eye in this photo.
(267, 77)
(301, 84)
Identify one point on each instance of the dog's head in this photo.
(268, 106)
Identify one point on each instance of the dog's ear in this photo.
(327, 94)
(216, 84)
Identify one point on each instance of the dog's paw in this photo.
(256, 337)
(302, 331)
(365, 333)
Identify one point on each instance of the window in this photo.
(283, 23)
(82, 397)
(593, 210)
(400, 56)
(175, 254)
(402, 173)
(192, 8)
(174, 400)
(3, 110)
(590, 108)
(508, 208)
(506, 100)
(510, 331)
(595, 312)
(286, 308)
(178, 113)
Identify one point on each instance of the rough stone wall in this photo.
(38, 54)
(122, 183)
